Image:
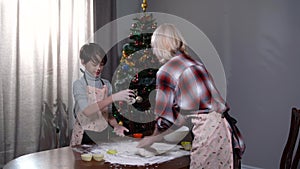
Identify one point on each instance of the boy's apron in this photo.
(96, 122)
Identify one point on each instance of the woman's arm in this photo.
(158, 135)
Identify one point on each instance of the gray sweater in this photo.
(80, 91)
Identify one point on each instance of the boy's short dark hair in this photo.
(93, 52)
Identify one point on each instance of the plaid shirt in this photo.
(185, 86)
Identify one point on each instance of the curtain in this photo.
(39, 46)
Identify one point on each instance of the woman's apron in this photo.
(212, 146)
(95, 122)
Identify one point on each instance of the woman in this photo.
(186, 89)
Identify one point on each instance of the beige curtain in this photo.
(39, 44)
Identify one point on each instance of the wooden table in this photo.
(66, 158)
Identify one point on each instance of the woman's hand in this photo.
(124, 95)
(119, 130)
(148, 141)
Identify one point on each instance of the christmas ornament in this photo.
(154, 26)
(144, 5)
(125, 67)
(143, 58)
(134, 25)
(124, 54)
(139, 99)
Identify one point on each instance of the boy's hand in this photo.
(124, 95)
(119, 130)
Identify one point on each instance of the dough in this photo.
(155, 149)
(146, 153)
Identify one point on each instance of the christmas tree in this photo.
(137, 71)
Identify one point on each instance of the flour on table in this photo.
(129, 154)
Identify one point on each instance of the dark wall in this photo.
(105, 11)
(259, 45)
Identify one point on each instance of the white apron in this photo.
(211, 147)
(96, 122)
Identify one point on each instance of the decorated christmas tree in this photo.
(137, 71)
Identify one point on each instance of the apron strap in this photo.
(82, 71)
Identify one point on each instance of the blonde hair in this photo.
(166, 41)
